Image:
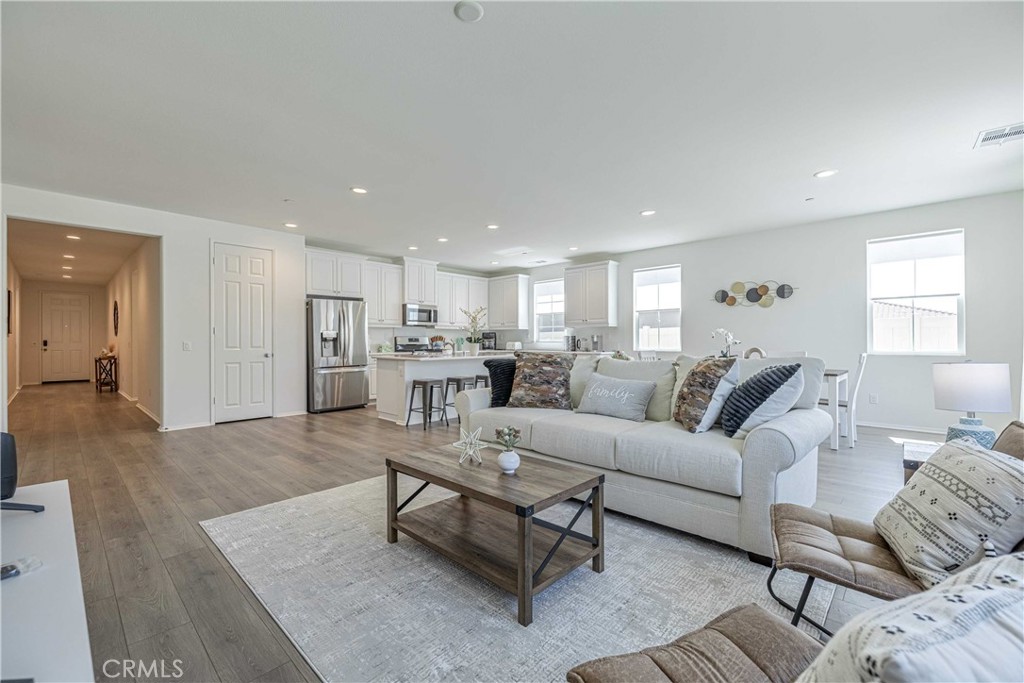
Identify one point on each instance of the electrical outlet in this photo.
(873, 399)
(186, 346)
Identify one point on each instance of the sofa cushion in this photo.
(502, 372)
(582, 368)
(661, 372)
(623, 398)
(702, 394)
(522, 419)
(542, 381)
(813, 370)
(1011, 441)
(579, 437)
(666, 450)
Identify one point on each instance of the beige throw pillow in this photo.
(541, 381)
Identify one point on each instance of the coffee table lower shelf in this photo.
(483, 540)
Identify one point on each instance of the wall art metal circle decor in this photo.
(763, 294)
(117, 318)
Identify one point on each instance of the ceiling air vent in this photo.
(997, 136)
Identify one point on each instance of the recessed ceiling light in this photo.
(648, 212)
(66, 277)
(413, 248)
(827, 173)
(68, 256)
(469, 11)
(442, 239)
(74, 237)
(65, 268)
(494, 263)
(492, 226)
(358, 190)
(291, 225)
(573, 248)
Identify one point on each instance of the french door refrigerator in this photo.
(336, 332)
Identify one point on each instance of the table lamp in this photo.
(972, 388)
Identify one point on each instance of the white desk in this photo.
(838, 382)
(42, 625)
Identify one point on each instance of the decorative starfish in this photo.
(470, 445)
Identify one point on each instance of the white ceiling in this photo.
(558, 121)
(37, 251)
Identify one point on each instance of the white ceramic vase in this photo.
(508, 461)
(472, 349)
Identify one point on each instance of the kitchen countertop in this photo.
(434, 358)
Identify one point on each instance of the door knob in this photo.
(268, 355)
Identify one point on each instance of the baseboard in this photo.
(902, 428)
(129, 398)
(292, 413)
(146, 411)
(13, 396)
(165, 428)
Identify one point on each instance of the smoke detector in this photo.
(998, 136)
(469, 11)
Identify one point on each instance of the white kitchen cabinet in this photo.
(477, 293)
(508, 298)
(420, 282)
(331, 273)
(460, 300)
(382, 290)
(445, 303)
(456, 293)
(591, 297)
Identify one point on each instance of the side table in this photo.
(915, 453)
(106, 373)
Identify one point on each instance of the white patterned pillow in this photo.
(968, 628)
(960, 498)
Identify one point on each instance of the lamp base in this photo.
(971, 427)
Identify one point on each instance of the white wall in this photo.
(14, 286)
(138, 355)
(31, 335)
(185, 285)
(827, 316)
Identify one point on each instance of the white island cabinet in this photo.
(395, 374)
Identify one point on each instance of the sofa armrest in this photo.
(786, 440)
(470, 401)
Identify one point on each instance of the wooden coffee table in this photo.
(491, 528)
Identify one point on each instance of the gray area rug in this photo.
(360, 609)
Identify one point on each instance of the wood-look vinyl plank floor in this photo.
(156, 586)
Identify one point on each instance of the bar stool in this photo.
(427, 409)
(460, 384)
(486, 379)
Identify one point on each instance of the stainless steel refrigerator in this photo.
(336, 332)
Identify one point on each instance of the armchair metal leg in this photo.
(25, 507)
(798, 611)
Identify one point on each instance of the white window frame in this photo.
(961, 319)
(534, 321)
(636, 312)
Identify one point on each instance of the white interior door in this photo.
(65, 328)
(242, 336)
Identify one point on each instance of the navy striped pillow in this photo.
(767, 395)
(503, 372)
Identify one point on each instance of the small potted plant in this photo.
(474, 328)
(508, 459)
(728, 338)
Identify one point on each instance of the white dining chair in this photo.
(647, 356)
(849, 406)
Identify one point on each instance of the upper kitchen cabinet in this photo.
(591, 298)
(382, 289)
(332, 273)
(508, 298)
(420, 281)
(456, 293)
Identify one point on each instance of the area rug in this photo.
(360, 609)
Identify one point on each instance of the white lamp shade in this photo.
(972, 387)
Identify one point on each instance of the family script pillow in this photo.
(541, 381)
(767, 395)
(962, 497)
(624, 398)
(703, 393)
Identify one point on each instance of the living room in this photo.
(831, 188)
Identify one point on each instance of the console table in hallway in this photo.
(106, 373)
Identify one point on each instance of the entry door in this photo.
(65, 344)
(242, 338)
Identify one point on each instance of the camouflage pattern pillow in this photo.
(703, 393)
(542, 381)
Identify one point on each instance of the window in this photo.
(657, 297)
(549, 311)
(916, 293)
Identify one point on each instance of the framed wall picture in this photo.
(117, 318)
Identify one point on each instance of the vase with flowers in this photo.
(474, 327)
(728, 338)
(508, 437)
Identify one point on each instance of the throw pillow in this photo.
(767, 395)
(583, 367)
(968, 628)
(502, 372)
(541, 381)
(660, 372)
(1011, 441)
(614, 397)
(700, 399)
(961, 497)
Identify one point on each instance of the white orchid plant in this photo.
(475, 326)
(730, 340)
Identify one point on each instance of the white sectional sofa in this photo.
(706, 484)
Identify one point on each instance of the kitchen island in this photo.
(395, 373)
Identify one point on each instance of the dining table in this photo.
(838, 383)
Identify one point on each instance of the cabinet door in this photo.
(445, 313)
(510, 303)
(428, 287)
(321, 274)
(496, 304)
(597, 295)
(391, 296)
(372, 293)
(350, 277)
(478, 296)
(372, 374)
(575, 297)
(460, 299)
(414, 283)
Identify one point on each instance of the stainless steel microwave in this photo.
(418, 315)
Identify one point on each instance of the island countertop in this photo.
(408, 357)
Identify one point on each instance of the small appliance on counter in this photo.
(413, 345)
(596, 342)
(490, 341)
(513, 346)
